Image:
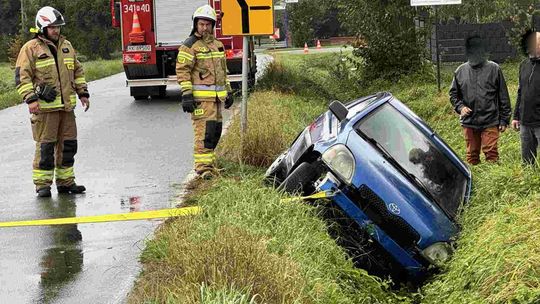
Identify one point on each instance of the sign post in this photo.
(435, 4)
(246, 18)
(437, 49)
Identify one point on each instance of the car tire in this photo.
(301, 180)
(276, 173)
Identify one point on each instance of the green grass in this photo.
(273, 122)
(248, 247)
(98, 69)
(93, 70)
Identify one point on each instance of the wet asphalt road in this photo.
(132, 155)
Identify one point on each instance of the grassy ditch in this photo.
(248, 247)
(93, 70)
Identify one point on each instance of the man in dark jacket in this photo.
(527, 113)
(480, 96)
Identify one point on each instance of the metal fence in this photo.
(452, 38)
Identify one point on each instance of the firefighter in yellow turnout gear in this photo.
(201, 69)
(49, 77)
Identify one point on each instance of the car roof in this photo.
(364, 105)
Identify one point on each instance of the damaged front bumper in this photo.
(408, 258)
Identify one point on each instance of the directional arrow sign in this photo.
(247, 17)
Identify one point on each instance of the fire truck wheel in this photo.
(140, 97)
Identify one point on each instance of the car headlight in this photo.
(437, 253)
(341, 161)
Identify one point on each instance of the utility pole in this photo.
(286, 26)
(437, 50)
(245, 73)
(23, 17)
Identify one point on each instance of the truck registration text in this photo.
(136, 8)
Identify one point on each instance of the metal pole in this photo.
(437, 48)
(22, 16)
(286, 26)
(245, 73)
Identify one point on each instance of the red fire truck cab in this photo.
(153, 30)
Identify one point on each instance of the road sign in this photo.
(434, 2)
(247, 17)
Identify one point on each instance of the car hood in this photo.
(401, 197)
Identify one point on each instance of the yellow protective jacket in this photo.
(201, 68)
(37, 64)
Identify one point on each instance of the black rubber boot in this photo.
(44, 192)
(74, 189)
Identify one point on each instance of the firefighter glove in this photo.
(188, 103)
(229, 101)
(46, 92)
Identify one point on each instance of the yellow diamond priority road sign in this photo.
(247, 17)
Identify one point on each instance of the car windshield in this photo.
(414, 153)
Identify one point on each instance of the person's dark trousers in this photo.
(529, 143)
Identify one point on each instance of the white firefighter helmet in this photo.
(47, 16)
(205, 12)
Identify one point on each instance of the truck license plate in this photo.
(139, 48)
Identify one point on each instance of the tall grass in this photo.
(93, 70)
(248, 246)
(498, 257)
(274, 120)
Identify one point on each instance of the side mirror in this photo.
(339, 110)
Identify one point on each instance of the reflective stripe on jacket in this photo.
(201, 68)
(36, 64)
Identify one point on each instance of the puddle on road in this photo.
(63, 260)
(134, 203)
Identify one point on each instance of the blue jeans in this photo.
(529, 143)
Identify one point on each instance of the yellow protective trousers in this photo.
(207, 126)
(55, 134)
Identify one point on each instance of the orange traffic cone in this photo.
(137, 34)
(318, 44)
(306, 49)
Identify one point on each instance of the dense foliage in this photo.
(88, 25)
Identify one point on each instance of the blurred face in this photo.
(204, 27)
(534, 45)
(53, 32)
(476, 51)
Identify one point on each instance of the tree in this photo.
(392, 44)
(314, 19)
(88, 25)
(10, 16)
(485, 11)
(517, 12)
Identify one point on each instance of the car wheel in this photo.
(275, 174)
(301, 180)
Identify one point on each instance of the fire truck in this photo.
(153, 30)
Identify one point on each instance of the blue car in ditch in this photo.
(388, 171)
